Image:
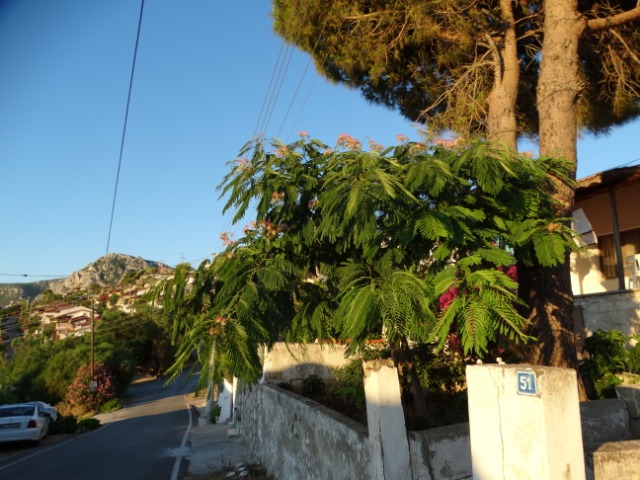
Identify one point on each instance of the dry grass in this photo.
(77, 411)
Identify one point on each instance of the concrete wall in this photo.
(610, 311)
(610, 451)
(294, 437)
(524, 422)
(292, 363)
(586, 276)
(385, 419)
(602, 421)
(225, 401)
(630, 394)
(617, 461)
(441, 453)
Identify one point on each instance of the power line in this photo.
(628, 163)
(315, 80)
(197, 259)
(102, 327)
(270, 99)
(295, 94)
(124, 128)
(266, 96)
(304, 104)
(31, 275)
(293, 98)
(276, 81)
(275, 93)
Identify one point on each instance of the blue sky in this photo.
(202, 75)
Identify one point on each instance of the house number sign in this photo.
(527, 384)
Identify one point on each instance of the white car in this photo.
(23, 422)
(52, 411)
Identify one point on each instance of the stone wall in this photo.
(630, 394)
(610, 311)
(602, 422)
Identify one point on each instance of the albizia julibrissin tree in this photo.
(356, 245)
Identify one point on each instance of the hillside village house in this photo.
(74, 320)
(64, 320)
(126, 297)
(605, 276)
(68, 320)
(610, 201)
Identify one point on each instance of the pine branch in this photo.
(613, 21)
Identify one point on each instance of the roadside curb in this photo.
(213, 446)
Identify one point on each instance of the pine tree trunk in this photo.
(501, 103)
(548, 290)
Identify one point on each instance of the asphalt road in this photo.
(144, 441)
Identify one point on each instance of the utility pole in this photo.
(92, 383)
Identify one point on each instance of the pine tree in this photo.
(497, 68)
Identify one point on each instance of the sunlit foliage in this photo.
(352, 245)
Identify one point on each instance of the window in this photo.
(630, 241)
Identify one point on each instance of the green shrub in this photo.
(87, 424)
(609, 357)
(64, 424)
(634, 356)
(7, 397)
(349, 384)
(111, 405)
(312, 385)
(214, 413)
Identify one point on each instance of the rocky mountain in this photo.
(105, 271)
(12, 293)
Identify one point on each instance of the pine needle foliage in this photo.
(358, 245)
(434, 61)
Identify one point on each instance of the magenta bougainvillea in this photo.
(447, 297)
(453, 339)
(511, 272)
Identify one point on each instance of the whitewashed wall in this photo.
(294, 437)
